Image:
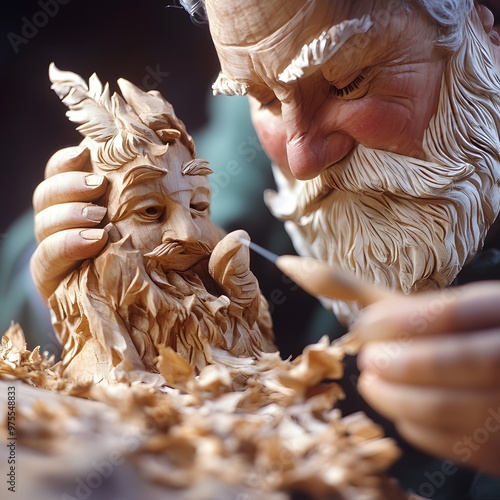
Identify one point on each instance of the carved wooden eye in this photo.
(152, 213)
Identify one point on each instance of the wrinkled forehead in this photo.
(263, 36)
(235, 22)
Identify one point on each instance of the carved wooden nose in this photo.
(180, 226)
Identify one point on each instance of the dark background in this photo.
(146, 42)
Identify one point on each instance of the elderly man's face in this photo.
(348, 97)
(156, 204)
(379, 89)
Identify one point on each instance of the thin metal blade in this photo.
(261, 251)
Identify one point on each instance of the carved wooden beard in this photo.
(197, 315)
(117, 329)
(400, 222)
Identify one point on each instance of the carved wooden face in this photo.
(379, 89)
(154, 202)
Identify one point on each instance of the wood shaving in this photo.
(243, 428)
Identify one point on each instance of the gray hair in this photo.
(196, 9)
(450, 14)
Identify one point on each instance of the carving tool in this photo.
(321, 279)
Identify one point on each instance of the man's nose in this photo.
(180, 225)
(314, 137)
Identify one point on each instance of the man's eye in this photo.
(269, 104)
(200, 206)
(345, 91)
(152, 213)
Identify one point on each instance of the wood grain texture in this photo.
(168, 277)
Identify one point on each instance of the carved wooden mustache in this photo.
(179, 254)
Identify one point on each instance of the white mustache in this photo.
(370, 171)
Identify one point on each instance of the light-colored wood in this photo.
(321, 279)
(168, 277)
(166, 333)
(245, 427)
(173, 302)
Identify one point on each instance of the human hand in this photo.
(66, 218)
(431, 364)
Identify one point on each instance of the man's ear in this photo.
(488, 21)
(494, 6)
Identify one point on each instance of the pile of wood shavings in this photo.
(258, 428)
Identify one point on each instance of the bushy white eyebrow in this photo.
(323, 47)
(226, 86)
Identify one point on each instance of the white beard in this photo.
(403, 223)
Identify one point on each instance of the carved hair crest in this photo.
(118, 129)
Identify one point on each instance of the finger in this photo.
(67, 187)
(479, 449)
(76, 158)
(470, 307)
(61, 252)
(433, 407)
(67, 216)
(458, 361)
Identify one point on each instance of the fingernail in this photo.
(92, 234)
(94, 180)
(94, 213)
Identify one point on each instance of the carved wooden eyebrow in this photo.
(197, 166)
(141, 173)
(137, 175)
(323, 48)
